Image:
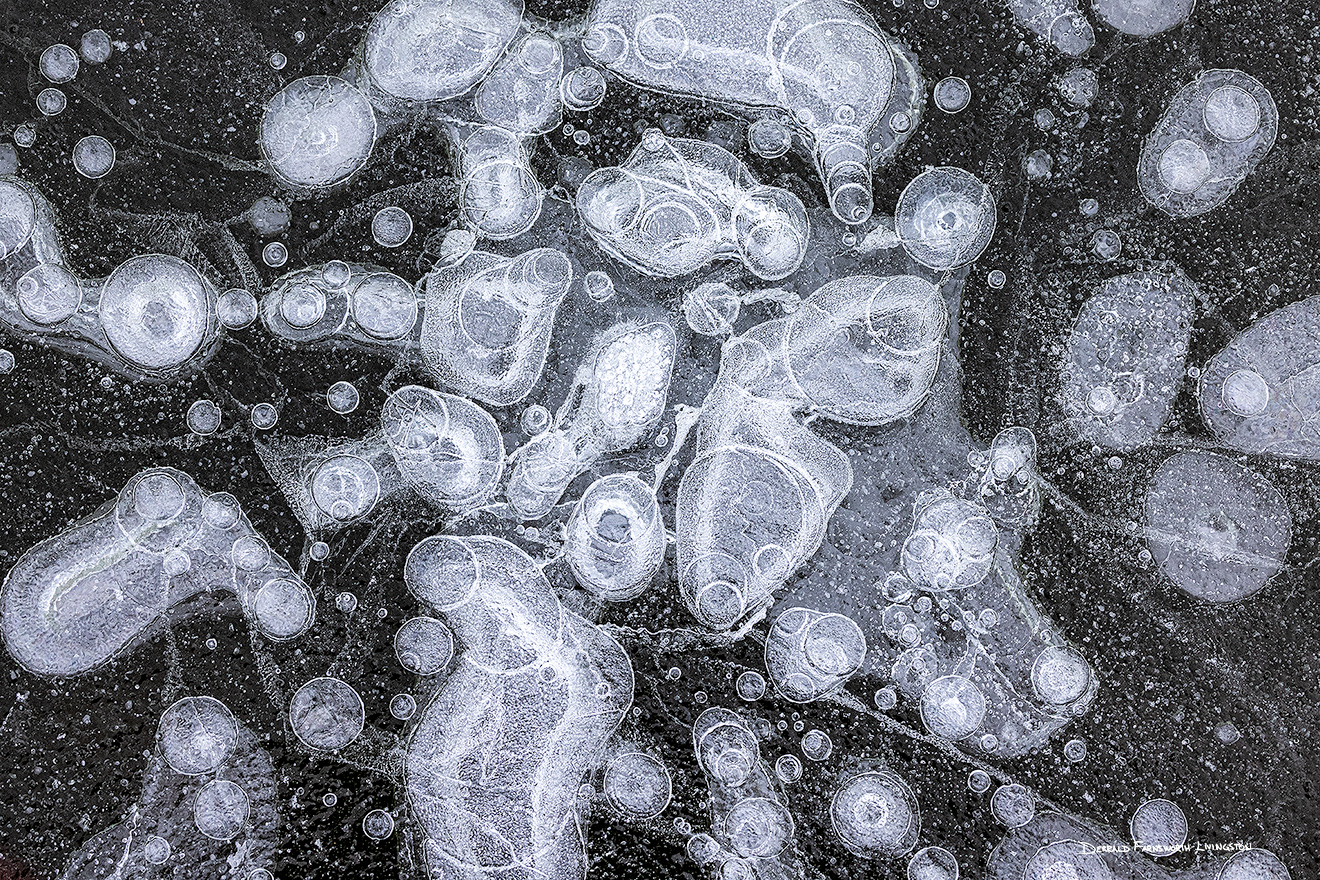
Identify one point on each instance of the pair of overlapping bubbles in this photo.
(1216, 131)
(676, 204)
(154, 318)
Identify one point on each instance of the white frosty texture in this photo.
(493, 767)
(77, 599)
(825, 63)
(488, 320)
(676, 204)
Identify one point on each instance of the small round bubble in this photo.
(342, 398)
(391, 227)
(96, 46)
(25, 134)
(319, 551)
(599, 286)
(996, 279)
(378, 825)
(535, 420)
(751, 686)
(788, 768)
(1075, 750)
(816, 745)
(93, 156)
(264, 416)
(204, 417)
(278, 60)
(275, 254)
(6, 361)
(952, 94)
(978, 781)
(1106, 245)
(236, 308)
(51, 102)
(403, 706)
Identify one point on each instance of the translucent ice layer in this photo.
(1262, 392)
(1125, 359)
(616, 538)
(154, 318)
(964, 638)
(430, 50)
(75, 600)
(618, 395)
(498, 193)
(1058, 22)
(750, 824)
(488, 320)
(212, 824)
(1143, 18)
(1217, 529)
(676, 204)
(493, 767)
(521, 94)
(317, 131)
(1216, 131)
(945, 218)
(340, 303)
(824, 63)
(809, 654)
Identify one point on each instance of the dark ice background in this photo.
(181, 106)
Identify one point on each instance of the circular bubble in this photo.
(156, 311)
(284, 608)
(661, 40)
(1219, 531)
(953, 94)
(816, 745)
(637, 785)
(1254, 864)
(750, 685)
(535, 420)
(275, 254)
(788, 768)
(403, 706)
(875, 815)
(769, 138)
(1184, 166)
(203, 417)
(978, 781)
(391, 227)
(93, 156)
(196, 735)
(945, 218)
(1232, 114)
(52, 102)
(378, 825)
(236, 308)
(221, 510)
(345, 487)
(59, 63)
(384, 306)
(342, 398)
(48, 293)
(264, 416)
(302, 304)
(952, 707)
(599, 286)
(250, 553)
(319, 551)
(1068, 859)
(96, 46)
(221, 810)
(1159, 828)
(582, 89)
(157, 850)
(758, 828)
(1075, 750)
(933, 863)
(326, 714)
(317, 131)
(1246, 393)
(424, 645)
(1059, 675)
(1013, 805)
